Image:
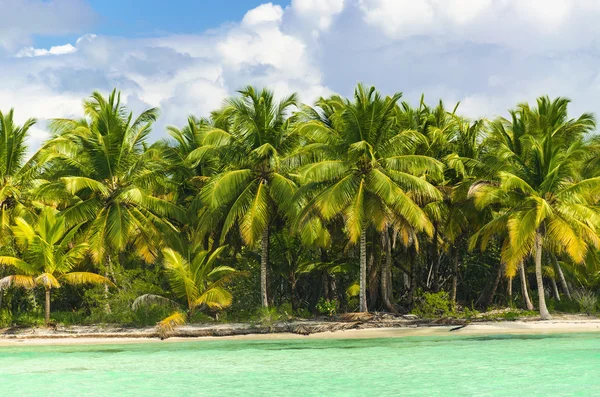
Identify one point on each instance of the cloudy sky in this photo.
(185, 56)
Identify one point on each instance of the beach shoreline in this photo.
(188, 333)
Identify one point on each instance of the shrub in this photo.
(328, 307)
(5, 318)
(434, 305)
(587, 300)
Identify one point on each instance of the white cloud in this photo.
(264, 13)
(488, 54)
(399, 18)
(37, 52)
(318, 12)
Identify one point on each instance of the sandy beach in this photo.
(82, 335)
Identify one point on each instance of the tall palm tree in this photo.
(253, 135)
(365, 170)
(50, 253)
(102, 171)
(16, 175)
(197, 279)
(545, 202)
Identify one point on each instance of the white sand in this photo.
(486, 328)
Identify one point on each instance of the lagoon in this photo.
(493, 365)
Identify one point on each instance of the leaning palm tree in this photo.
(195, 278)
(100, 169)
(366, 171)
(252, 135)
(50, 255)
(545, 203)
(16, 175)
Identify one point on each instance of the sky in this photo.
(186, 56)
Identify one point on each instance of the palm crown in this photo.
(542, 199)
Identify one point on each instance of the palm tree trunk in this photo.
(293, 282)
(373, 270)
(435, 261)
(544, 313)
(386, 273)
(363, 270)
(47, 307)
(107, 269)
(413, 277)
(487, 295)
(454, 276)
(524, 290)
(264, 264)
(561, 277)
(509, 288)
(555, 289)
(325, 282)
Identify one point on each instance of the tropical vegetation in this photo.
(268, 205)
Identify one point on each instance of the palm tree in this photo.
(253, 136)
(366, 171)
(16, 177)
(15, 174)
(195, 278)
(50, 255)
(102, 171)
(545, 201)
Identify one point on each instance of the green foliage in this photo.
(321, 188)
(327, 307)
(434, 305)
(587, 300)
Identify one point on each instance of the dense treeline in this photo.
(367, 203)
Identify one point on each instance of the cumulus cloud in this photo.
(488, 54)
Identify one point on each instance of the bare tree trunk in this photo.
(107, 269)
(264, 264)
(373, 270)
(435, 261)
(555, 289)
(454, 275)
(487, 295)
(524, 290)
(293, 282)
(544, 313)
(509, 289)
(363, 270)
(386, 273)
(413, 277)
(325, 282)
(333, 287)
(47, 307)
(561, 277)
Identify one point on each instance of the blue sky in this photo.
(187, 56)
(142, 18)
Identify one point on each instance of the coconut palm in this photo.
(367, 173)
(196, 278)
(545, 202)
(102, 171)
(15, 174)
(253, 136)
(50, 255)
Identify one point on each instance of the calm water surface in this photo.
(556, 365)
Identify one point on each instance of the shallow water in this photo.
(501, 365)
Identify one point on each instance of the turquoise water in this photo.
(557, 365)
